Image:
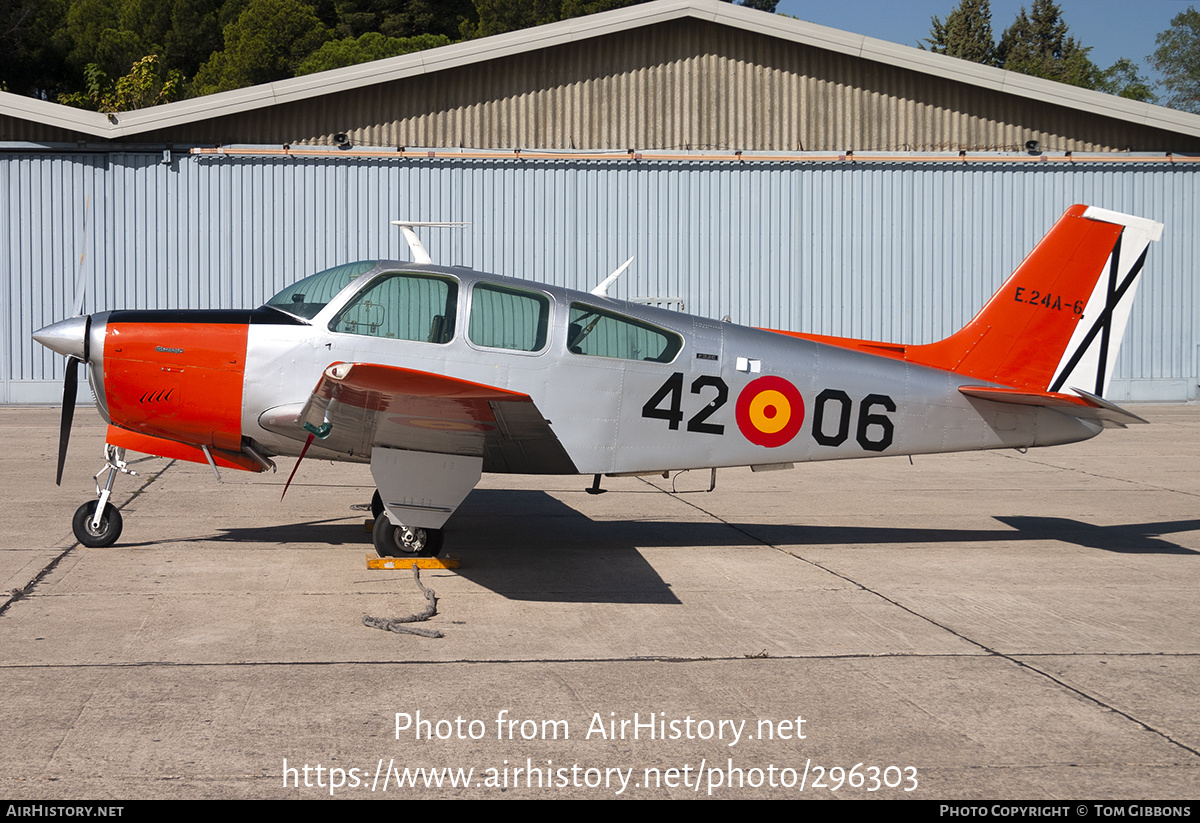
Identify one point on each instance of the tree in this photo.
(499, 16)
(351, 51)
(267, 42)
(32, 57)
(1177, 59)
(1038, 44)
(404, 18)
(1123, 79)
(147, 84)
(761, 5)
(193, 35)
(99, 35)
(966, 34)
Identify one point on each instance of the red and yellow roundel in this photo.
(770, 411)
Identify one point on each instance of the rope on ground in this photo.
(396, 624)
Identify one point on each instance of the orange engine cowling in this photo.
(176, 376)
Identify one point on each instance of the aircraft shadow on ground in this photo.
(1126, 538)
(528, 545)
(1129, 538)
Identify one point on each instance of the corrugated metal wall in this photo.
(901, 251)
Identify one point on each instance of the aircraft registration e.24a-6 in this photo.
(434, 375)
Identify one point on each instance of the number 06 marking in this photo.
(875, 431)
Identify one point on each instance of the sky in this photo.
(1113, 29)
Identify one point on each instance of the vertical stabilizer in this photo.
(1057, 322)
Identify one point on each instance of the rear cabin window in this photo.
(504, 318)
(597, 333)
(402, 306)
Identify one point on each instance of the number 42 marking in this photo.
(671, 392)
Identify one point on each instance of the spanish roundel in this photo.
(770, 411)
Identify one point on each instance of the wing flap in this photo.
(365, 405)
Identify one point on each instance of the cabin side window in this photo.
(597, 333)
(401, 306)
(504, 318)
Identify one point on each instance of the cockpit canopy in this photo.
(307, 297)
(424, 307)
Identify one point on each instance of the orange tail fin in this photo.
(1060, 317)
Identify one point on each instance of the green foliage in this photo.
(404, 18)
(966, 34)
(1177, 59)
(351, 51)
(95, 90)
(193, 33)
(1037, 44)
(1124, 79)
(761, 5)
(32, 57)
(499, 16)
(146, 84)
(267, 42)
(97, 34)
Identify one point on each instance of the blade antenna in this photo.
(419, 254)
(602, 289)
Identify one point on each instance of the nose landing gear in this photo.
(97, 524)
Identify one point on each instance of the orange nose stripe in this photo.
(180, 381)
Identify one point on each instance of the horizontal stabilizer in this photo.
(1083, 405)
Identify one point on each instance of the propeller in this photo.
(70, 392)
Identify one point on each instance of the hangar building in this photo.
(762, 168)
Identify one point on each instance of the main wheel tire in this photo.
(110, 525)
(376, 505)
(405, 541)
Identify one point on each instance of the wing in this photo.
(359, 406)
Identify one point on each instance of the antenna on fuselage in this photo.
(419, 254)
(602, 289)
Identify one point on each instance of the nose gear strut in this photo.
(97, 524)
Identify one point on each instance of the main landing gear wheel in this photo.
(405, 541)
(106, 534)
(376, 505)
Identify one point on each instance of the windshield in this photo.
(307, 297)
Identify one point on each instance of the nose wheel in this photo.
(96, 523)
(405, 541)
(104, 533)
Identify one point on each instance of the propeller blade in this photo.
(70, 389)
(70, 392)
